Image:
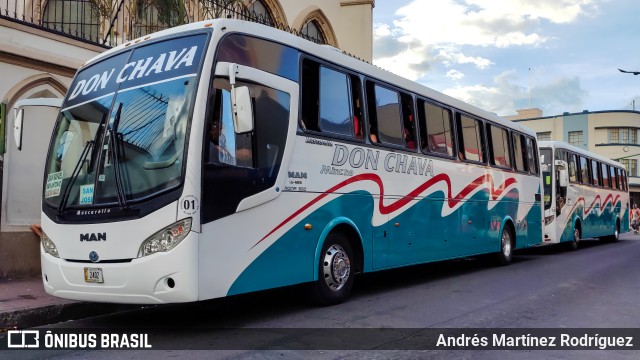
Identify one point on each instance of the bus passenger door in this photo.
(244, 169)
(380, 238)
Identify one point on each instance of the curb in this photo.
(50, 314)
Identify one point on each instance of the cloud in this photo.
(505, 95)
(455, 74)
(486, 22)
(433, 32)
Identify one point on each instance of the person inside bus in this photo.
(373, 131)
(635, 218)
(408, 133)
(218, 151)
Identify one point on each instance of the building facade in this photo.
(613, 134)
(44, 42)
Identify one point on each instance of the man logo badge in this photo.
(93, 256)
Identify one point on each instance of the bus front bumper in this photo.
(166, 277)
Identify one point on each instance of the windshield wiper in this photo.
(114, 141)
(74, 174)
(83, 156)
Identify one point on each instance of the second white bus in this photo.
(585, 195)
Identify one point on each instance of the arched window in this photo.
(152, 16)
(313, 30)
(74, 17)
(260, 12)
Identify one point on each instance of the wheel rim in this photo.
(336, 267)
(576, 235)
(506, 244)
(616, 233)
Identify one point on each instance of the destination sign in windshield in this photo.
(149, 64)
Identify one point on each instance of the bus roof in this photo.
(328, 53)
(577, 150)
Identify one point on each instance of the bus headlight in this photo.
(165, 239)
(48, 245)
(549, 219)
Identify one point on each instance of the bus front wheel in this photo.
(506, 246)
(335, 271)
(573, 244)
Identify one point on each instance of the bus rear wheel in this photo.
(335, 271)
(616, 234)
(506, 246)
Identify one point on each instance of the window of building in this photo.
(312, 30)
(261, 12)
(499, 144)
(575, 138)
(623, 136)
(470, 133)
(631, 165)
(435, 129)
(544, 136)
(74, 17)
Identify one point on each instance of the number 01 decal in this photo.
(189, 204)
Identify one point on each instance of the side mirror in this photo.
(240, 103)
(242, 109)
(17, 128)
(563, 173)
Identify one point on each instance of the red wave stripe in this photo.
(586, 211)
(400, 203)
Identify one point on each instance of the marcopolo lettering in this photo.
(93, 237)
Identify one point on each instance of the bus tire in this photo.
(335, 271)
(573, 244)
(506, 246)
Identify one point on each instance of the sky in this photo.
(503, 55)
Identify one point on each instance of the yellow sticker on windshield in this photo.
(548, 179)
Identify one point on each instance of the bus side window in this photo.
(471, 139)
(573, 168)
(358, 119)
(585, 174)
(435, 129)
(384, 115)
(595, 173)
(335, 103)
(533, 158)
(408, 122)
(519, 152)
(605, 175)
(310, 95)
(499, 144)
(612, 178)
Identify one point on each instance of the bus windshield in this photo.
(121, 134)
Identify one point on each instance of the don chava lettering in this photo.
(165, 62)
(370, 159)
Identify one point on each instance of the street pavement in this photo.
(24, 303)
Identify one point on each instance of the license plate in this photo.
(93, 275)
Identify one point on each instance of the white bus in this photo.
(585, 195)
(225, 157)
